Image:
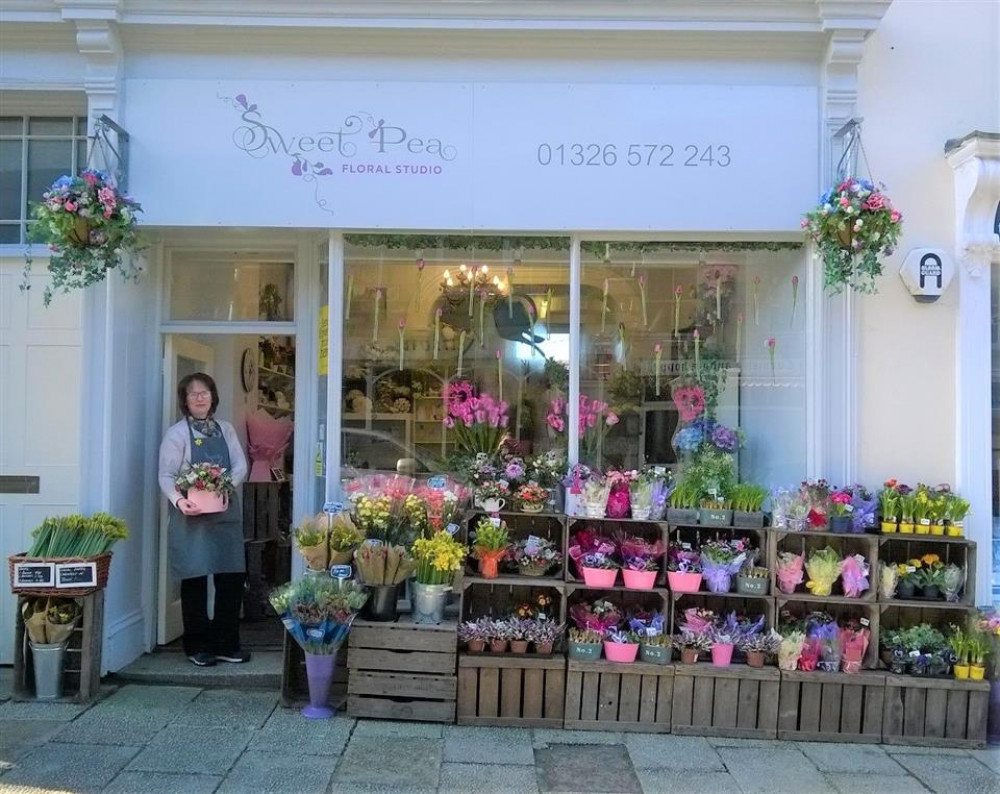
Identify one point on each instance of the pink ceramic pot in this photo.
(599, 577)
(622, 652)
(639, 580)
(722, 655)
(684, 582)
(208, 501)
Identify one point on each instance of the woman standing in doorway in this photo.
(205, 544)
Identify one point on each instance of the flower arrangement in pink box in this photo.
(207, 485)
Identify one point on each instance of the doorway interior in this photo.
(255, 377)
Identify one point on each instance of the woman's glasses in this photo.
(199, 395)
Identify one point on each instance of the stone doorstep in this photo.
(263, 671)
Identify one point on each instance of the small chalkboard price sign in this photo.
(34, 574)
(76, 574)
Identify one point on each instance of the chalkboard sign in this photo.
(76, 574)
(34, 574)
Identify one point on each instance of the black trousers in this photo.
(222, 633)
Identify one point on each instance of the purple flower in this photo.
(725, 439)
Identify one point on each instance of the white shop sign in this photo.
(473, 156)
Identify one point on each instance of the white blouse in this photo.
(175, 456)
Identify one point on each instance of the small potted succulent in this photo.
(473, 634)
(683, 509)
(544, 635)
(531, 498)
(621, 646)
(584, 645)
(759, 646)
(683, 568)
(490, 545)
(692, 645)
(520, 633)
(535, 556)
(748, 499)
(753, 580)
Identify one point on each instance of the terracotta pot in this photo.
(519, 646)
(476, 646)
(498, 646)
(755, 659)
(543, 648)
(689, 655)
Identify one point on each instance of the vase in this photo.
(599, 577)
(319, 672)
(475, 646)
(557, 499)
(429, 601)
(618, 502)
(840, 524)
(585, 651)
(722, 654)
(684, 582)
(382, 603)
(47, 660)
(755, 658)
(518, 646)
(654, 654)
(493, 505)
(543, 648)
(621, 652)
(639, 580)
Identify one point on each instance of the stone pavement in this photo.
(153, 739)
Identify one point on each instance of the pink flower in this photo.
(895, 217)
(844, 201)
(70, 206)
(804, 223)
(678, 290)
(612, 419)
(449, 422)
(690, 402)
(874, 202)
(770, 342)
(90, 178)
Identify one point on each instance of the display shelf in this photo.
(629, 521)
(573, 586)
(733, 594)
(816, 533)
(512, 580)
(918, 603)
(914, 538)
(867, 598)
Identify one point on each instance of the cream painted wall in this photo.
(930, 72)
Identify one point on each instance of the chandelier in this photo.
(472, 282)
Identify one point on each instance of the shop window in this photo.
(34, 152)
(680, 347)
(995, 338)
(484, 317)
(212, 288)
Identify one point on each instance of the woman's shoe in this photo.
(203, 659)
(236, 657)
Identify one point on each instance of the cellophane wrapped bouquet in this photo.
(854, 572)
(720, 560)
(788, 568)
(318, 611)
(378, 507)
(854, 639)
(600, 616)
(590, 544)
(823, 566)
(639, 554)
(434, 505)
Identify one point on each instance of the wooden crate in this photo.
(734, 701)
(605, 696)
(82, 670)
(935, 712)
(402, 671)
(826, 707)
(295, 685)
(512, 690)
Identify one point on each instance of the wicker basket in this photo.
(103, 567)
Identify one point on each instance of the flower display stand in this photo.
(511, 690)
(294, 683)
(736, 701)
(831, 707)
(605, 696)
(935, 712)
(402, 670)
(82, 671)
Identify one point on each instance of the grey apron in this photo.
(212, 543)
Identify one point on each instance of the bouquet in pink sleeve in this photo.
(853, 644)
(854, 576)
(267, 440)
(789, 571)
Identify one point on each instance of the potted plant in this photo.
(49, 623)
(492, 496)
(720, 559)
(691, 645)
(752, 580)
(759, 646)
(922, 510)
(683, 568)
(584, 645)
(959, 642)
(473, 634)
(748, 499)
(798, 514)
(548, 469)
(90, 228)
(956, 509)
(535, 556)
(906, 579)
(854, 224)
(498, 632)
(938, 510)
(789, 571)
(344, 538)
(621, 646)
(490, 545)
(888, 502)
(683, 509)
(654, 643)
(979, 649)
(595, 494)
(545, 634)
(531, 498)
(715, 512)
(382, 568)
(439, 558)
(953, 582)
(907, 507)
(929, 577)
(520, 633)
(641, 561)
(840, 510)
(647, 496)
(723, 643)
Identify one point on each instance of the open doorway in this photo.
(255, 377)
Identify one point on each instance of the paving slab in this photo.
(768, 771)
(487, 779)
(387, 762)
(125, 727)
(20, 737)
(40, 710)
(6, 683)
(80, 768)
(655, 751)
(770, 744)
(287, 731)
(674, 781)
(276, 773)
(582, 768)
(990, 756)
(463, 744)
(952, 774)
(847, 783)
(542, 737)
(228, 708)
(162, 783)
(366, 729)
(914, 749)
(168, 698)
(867, 758)
(181, 748)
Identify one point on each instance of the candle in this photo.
(517, 412)
(657, 358)
(437, 331)
(378, 298)
(795, 296)
(697, 352)
(604, 305)
(482, 318)
(718, 294)
(472, 289)
(421, 264)
(621, 338)
(350, 294)
(548, 308)
(461, 351)
(500, 375)
(756, 302)
(510, 291)
(739, 336)
(771, 342)
(642, 299)
(678, 292)
(402, 340)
